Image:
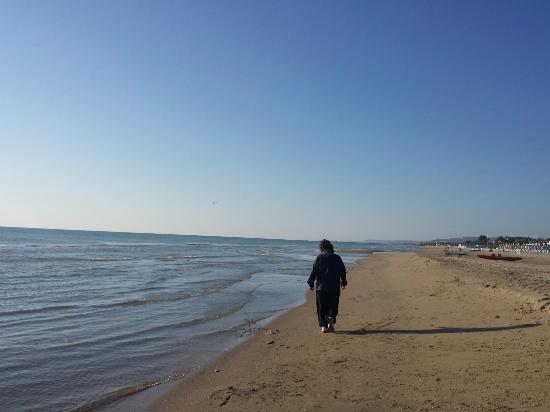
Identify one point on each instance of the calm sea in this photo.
(88, 317)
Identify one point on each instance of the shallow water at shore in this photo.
(88, 317)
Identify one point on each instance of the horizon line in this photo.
(182, 234)
(449, 238)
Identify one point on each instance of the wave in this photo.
(153, 299)
(131, 244)
(225, 282)
(199, 244)
(66, 259)
(37, 310)
(131, 390)
(181, 257)
(124, 392)
(209, 286)
(128, 338)
(105, 258)
(35, 321)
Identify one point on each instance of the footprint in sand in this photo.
(378, 325)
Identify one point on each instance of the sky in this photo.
(348, 120)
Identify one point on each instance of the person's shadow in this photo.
(442, 329)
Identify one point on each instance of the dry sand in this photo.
(417, 331)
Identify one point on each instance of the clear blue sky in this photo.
(347, 120)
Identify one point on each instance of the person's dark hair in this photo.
(326, 245)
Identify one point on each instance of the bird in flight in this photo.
(214, 203)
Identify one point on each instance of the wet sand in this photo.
(417, 331)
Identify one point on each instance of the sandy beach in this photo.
(416, 331)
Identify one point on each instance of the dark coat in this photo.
(328, 273)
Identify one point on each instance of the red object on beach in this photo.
(500, 257)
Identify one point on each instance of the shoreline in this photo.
(267, 333)
(428, 318)
(145, 399)
(148, 398)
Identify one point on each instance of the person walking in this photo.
(327, 277)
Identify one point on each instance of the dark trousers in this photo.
(327, 305)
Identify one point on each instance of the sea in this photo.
(88, 318)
